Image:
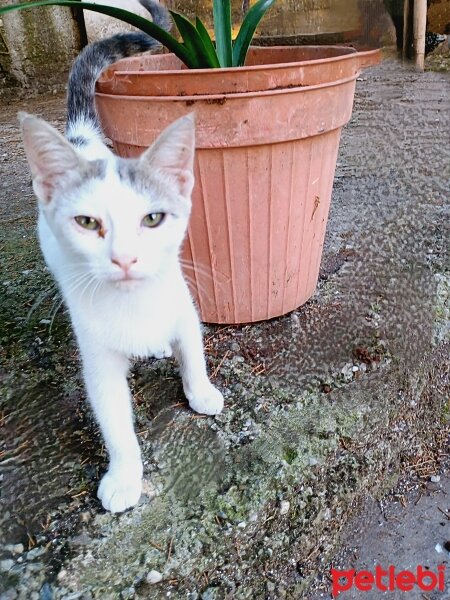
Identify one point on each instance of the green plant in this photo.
(197, 50)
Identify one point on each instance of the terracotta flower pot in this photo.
(267, 142)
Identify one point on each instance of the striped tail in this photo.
(81, 112)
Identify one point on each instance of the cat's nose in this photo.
(124, 262)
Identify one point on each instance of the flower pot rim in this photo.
(350, 54)
(222, 98)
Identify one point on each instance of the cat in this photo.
(110, 230)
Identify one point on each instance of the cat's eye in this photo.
(88, 222)
(153, 219)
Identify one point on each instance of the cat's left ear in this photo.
(173, 152)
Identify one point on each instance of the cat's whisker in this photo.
(83, 280)
(74, 273)
(196, 285)
(72, 283)
(96, 287)
(196, 273)
(78, 282)
(74, 268)
(90, 281)
(196, 264)
(202, 270)
(76, 264)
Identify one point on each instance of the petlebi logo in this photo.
(388, 580)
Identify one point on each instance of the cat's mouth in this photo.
(127, 281)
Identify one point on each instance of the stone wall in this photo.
(99, 26)
(36, 49)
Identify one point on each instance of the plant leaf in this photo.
(222, 31)
(247, 30)
(207, 41)
(145, 25)
(193, 41)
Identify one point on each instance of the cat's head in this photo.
(121, 220)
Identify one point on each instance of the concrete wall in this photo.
(37, 47)
(100, 26)
(364, 22)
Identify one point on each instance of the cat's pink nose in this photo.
(124, 262)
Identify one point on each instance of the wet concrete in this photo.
(323, 407)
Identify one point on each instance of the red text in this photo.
(388, 580)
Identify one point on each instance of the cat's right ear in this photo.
(173, 153)
(50, 156)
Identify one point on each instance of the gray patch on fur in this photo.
(149, 184)
(95, 169)
(87, 171)
(127, 170)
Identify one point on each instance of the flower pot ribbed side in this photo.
(263, 242)
(264, 170)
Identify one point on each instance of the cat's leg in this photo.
(203, 397)
(105, 374)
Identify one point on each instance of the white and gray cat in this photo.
(110, 230)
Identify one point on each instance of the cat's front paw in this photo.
(206, 399)
(120, 489)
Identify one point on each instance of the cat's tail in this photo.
(82, 119)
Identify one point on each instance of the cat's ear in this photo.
(173, 152)
(51, 158)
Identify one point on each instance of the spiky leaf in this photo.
(207, 41)
(193, 41)
(222, 32)
(247, 30)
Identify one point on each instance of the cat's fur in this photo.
(122, 283)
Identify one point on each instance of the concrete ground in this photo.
(328, 409)
(408, 528)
